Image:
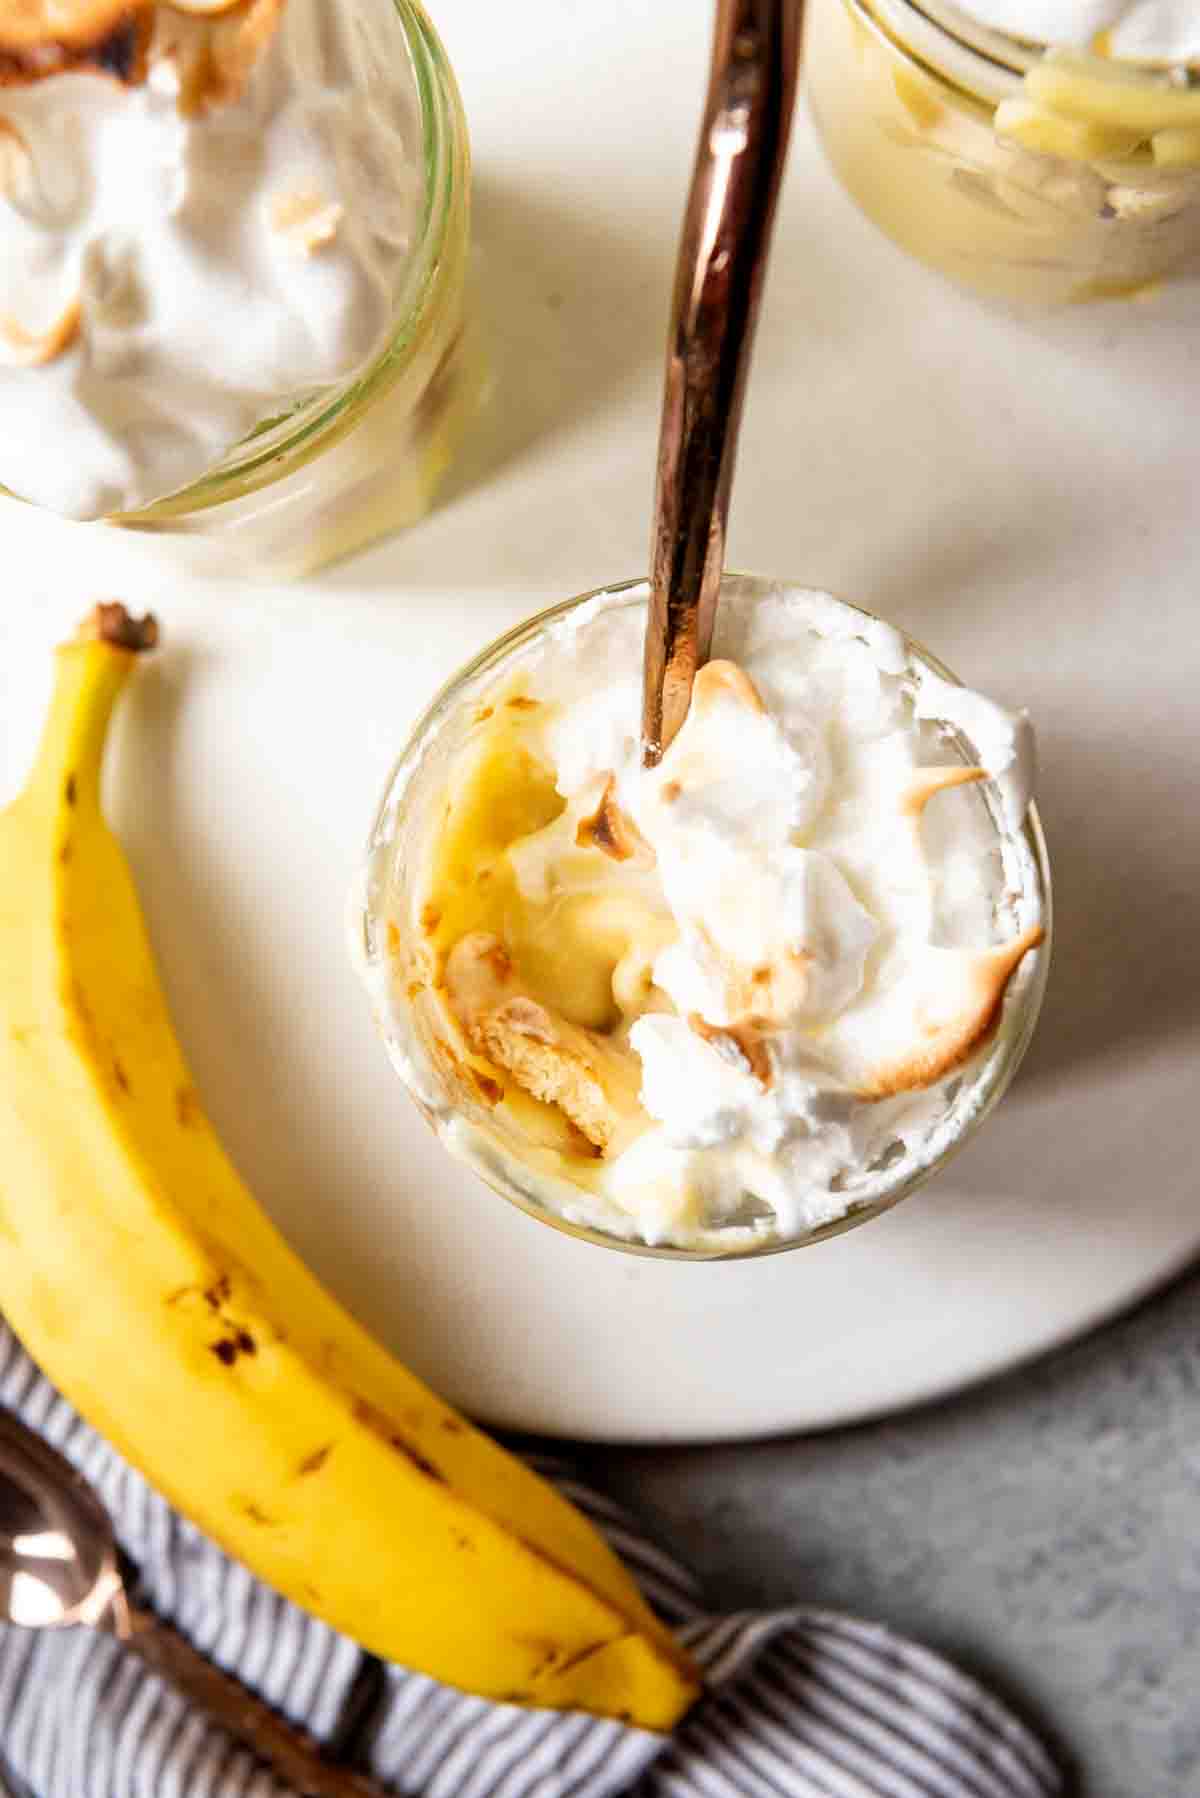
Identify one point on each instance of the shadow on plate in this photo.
(568, 312)
(1125, 855)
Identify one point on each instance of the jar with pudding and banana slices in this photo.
(1039, 151)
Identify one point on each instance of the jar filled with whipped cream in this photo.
(734, 1003)
(1040, 151)
(233, 255)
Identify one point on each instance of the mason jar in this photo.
(340, 466)
(1031, 173)
(389, 943)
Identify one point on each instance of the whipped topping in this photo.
(810, 912)
(1150, 31)
(176, 271)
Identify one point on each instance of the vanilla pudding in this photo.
(210, 215)
(725, 1003)
(1043, 150)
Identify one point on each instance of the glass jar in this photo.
(365, 458)
(389, 947)
(1033, 175)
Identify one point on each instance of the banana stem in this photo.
(90, 671)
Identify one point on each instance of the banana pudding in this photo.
(1038, 150)
(219, 252)
(726, 1002)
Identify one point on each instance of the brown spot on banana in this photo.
(255, 1513)
(187, 1106)
(314, 1462)
(384, 1428)
(229, 1348)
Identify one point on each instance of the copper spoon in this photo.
(718, 283)
(60, 1566)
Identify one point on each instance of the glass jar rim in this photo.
(254, 461)
(1004, 1053)
(985, 59)
(938, 37)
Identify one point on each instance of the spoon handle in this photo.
(718, 280)
(295, 1755)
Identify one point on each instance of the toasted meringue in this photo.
(306, 218)
(214, 51)
(40, 38)
(796, 913)
(214, 45)
(255, 161)
(745, 1042)
(935, 1016)
(20, 348)
(17, 182)
(613, 831)
(926, 782)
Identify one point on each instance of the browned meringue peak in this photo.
(613, 831)
(306, 219)
(934, 1017)
(761, 998)
(744, 1044)
(17, 181)
(214, 44)
(20, 348)
(39, 38)
(593, 1082)
(723, 680)
(925, 782)
(715, 683)
(214, 50)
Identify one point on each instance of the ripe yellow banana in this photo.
(140, 1273)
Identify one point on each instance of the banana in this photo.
(146, 1281)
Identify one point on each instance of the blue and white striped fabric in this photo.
(802, 1703)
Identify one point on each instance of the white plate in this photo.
(1020, 496)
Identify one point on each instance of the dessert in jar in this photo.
(735, 1001)
(233, 237)
(1042, 151)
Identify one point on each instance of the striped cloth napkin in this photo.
(802, 1703)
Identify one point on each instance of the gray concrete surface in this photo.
(1044, 1530)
